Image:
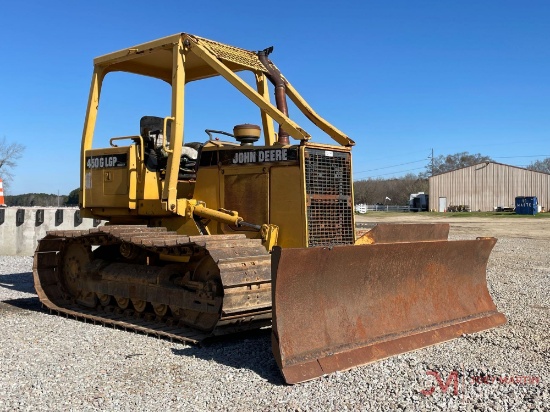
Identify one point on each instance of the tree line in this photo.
(394, 191)
(43, 199)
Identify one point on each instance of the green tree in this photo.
(36, 199)
(540, 165)
(72, 199)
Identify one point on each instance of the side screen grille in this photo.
(328, 198)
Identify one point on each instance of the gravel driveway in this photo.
(53, 363)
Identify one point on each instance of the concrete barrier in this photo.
(22, 227)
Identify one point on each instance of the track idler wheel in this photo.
(75, 259)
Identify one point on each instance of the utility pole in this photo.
(432, 161)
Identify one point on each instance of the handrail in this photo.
(141, 148)
(164, 129)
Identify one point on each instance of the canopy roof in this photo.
(207, 58)
(155, 59)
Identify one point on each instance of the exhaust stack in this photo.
(276, 79)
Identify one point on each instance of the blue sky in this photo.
(399, 77)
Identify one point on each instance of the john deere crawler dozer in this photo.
(215, 237)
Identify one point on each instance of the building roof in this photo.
(487, 163)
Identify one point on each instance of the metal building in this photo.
(487, 186)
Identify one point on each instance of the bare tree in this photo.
(398, 190)
(540, 165)
(443, 164)
(9, 154)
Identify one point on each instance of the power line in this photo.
(423, 160)
(387, 157)
(392, 173)
(389, 167)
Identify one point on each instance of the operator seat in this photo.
(189, 161)
(151, 130)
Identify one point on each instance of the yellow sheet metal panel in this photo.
(106, 177)
(179, 224)
(149, 194)
(115, 182)
(287, 205)
(207, 188)
(246, 190)
(151, 185)
(151, 207)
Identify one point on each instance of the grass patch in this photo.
(491, 214)
(495, 215)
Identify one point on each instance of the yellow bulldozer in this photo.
(228, 234)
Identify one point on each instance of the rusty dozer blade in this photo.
(345, 306)
(397, 232)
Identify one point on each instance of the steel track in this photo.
(245, 272)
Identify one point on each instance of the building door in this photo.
(442, 204)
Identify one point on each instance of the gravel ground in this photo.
(53, 363)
